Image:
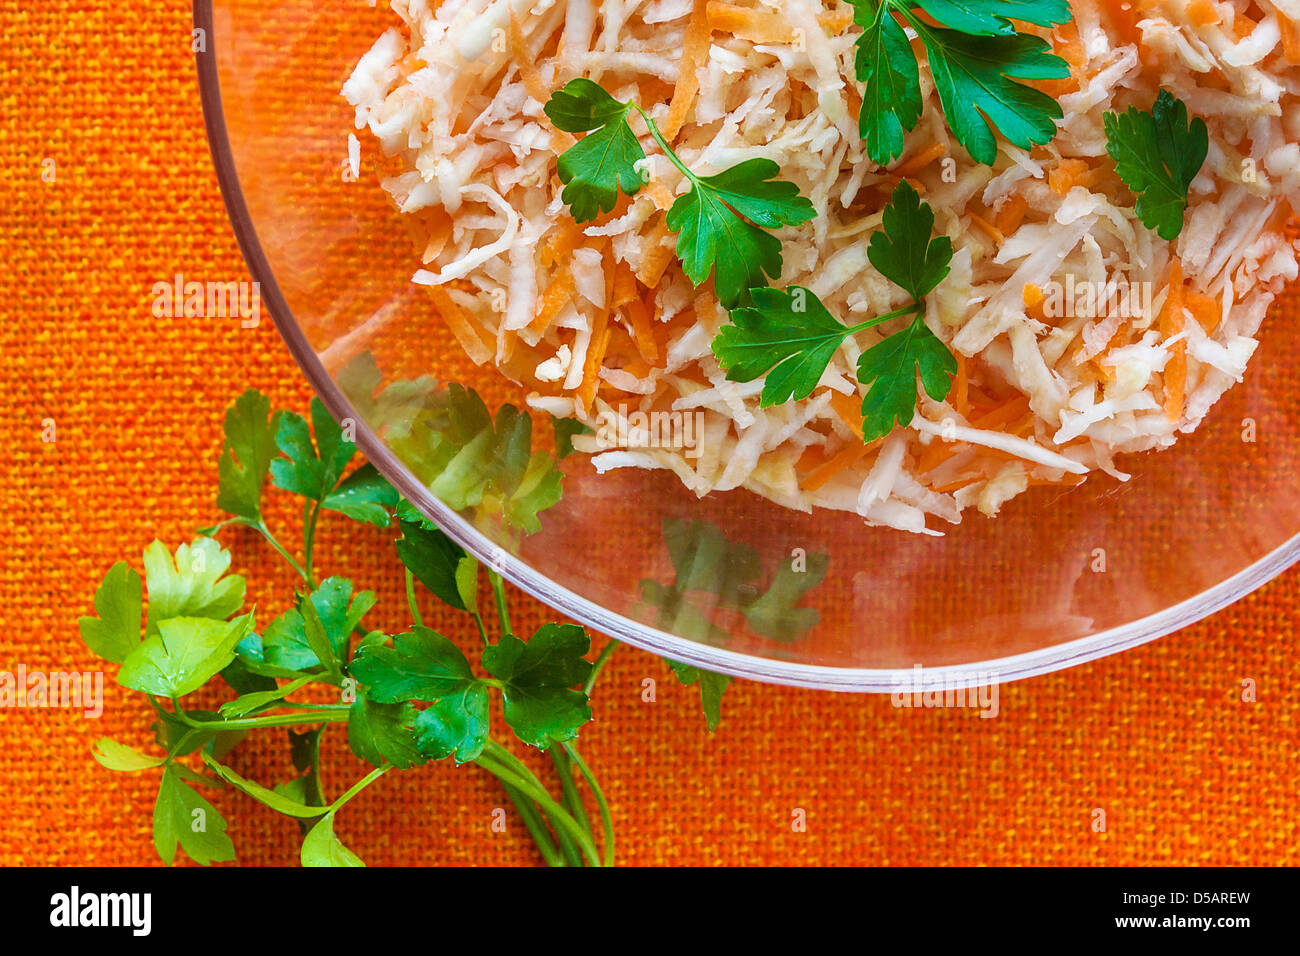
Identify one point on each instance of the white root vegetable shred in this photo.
(1055, 303)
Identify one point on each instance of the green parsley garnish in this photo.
(405, 699)
(791, 337)
(975, 61)
(1158, 154)
(721, 221)
(602, 162)
(993, 17)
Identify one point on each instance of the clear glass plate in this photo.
(1062, 577)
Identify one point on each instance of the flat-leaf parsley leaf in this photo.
(791, 337)
(721, 220)
(975, 59)
(1158, 154)
(604, 161)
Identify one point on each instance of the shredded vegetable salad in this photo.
(1107, 278)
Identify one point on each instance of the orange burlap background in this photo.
(1157, 737)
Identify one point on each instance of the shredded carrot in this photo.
(439, 233)
(854, 99)
(560, 243)
(600, 333)
(1171, 324)
(960, 393)
(635, 367)
(1202, 13)
(625, 294)
(624, 290)
(601, 329)
(1243, 26)
(1207, 309)
(638, 316)
(939, 452)
(528, 71)
(986, 227)
(1002, 415)
(659, 194)
(762, 27)
(1066, 44)
(1171, 316)
(754, 25)
(1067, 174)
(559, 292)
(1125, 17)
(475, 340)
(1035, 302)
(837, 21)
(1022, 428)
(813, 457)
(849, 409)
(845, 458)
(1069, 45)
(978, 397)
(657, 256)
(694, 50)
(1034, 296)
(1011, 215)
(921, 160)
(958, 485)
(1290, 38)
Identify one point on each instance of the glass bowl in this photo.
(1061, 577)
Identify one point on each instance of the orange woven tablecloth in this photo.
(1158, 737)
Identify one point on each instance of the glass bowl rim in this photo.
(745, 666)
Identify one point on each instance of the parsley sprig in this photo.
(975, 60)
(406, 698)
(1158, 154)
(790, 336)
(722, 221)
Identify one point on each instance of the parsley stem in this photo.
(410, 599)
(606, 820)
(310, 515)
(260, 527)
(284, 690)
(658, 136)
(248, 723)
(360, 785)
(482, 631)
(570, 798)
(185, 738)
(601, 659)
(533, 823)
(501, 763)
(503, 611)
(294, 705)
(304, 573)
(315, 786)
(554, 812)
(916, 308)
(568, 849)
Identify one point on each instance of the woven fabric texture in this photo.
(105, 97)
